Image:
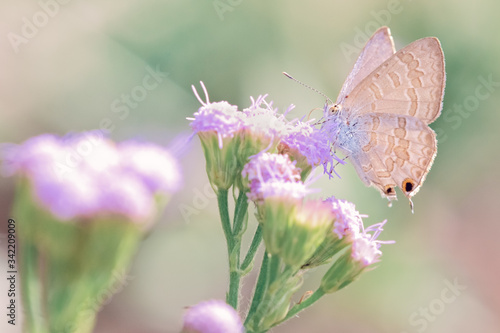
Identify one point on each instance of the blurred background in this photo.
(70, 66)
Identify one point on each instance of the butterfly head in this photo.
(333, 109)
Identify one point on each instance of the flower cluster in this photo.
(229, 137)
(268, 159)
(278, 191)
(86, 175)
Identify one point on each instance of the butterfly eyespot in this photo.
(389, 190)
(408, 185)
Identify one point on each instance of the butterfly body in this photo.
(381, 116)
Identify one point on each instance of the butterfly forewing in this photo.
(378, 48)
(410, 82)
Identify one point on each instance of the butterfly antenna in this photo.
(308, 86)
(310, 112)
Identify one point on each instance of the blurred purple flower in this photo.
(156, 167)
(212, 316)
(83, 175)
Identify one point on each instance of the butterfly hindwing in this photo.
(397, 151)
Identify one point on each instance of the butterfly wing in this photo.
(395, 151)
(388, 112)
(411, 82)
(379, 48)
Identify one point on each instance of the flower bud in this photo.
(219, 127)
(347, 224)
(305, 231)
(213, 316)
(363, 253)
(276, 189)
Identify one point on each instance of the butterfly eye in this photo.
(335, 108)
(408, 185)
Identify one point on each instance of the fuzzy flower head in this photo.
(213, 316)
(347, 225)
(348, 221)
(220, 119)
(363, 253)
(263, 128)
(263, 120)
(273, 175)
(366, 248)
(82, 176)
(309, 147)
(219, 127)
(277, 190)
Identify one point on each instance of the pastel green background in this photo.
(72, 72)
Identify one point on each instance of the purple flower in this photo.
(155, 166)
(366, 248)
(42, 150)
(213, 316)
(348, 221)
(84, 175)
(311, 143)
(219, 118)
(364, 252)
(273, 175)
(262, 120)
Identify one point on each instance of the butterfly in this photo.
(381, 118)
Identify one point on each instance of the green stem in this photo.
(31, 289)
(224, 218)
(239, 225)
(234, 276)
(257, 239)
(260, 287)
(234, 289)
(303, 305)
(240, 213)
